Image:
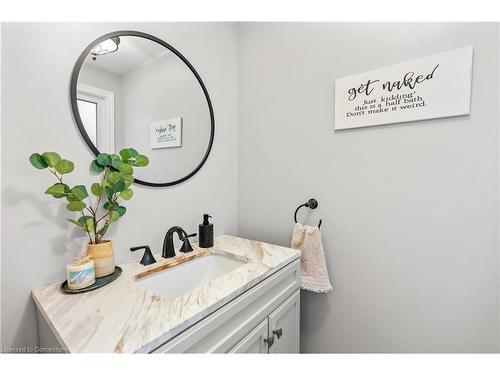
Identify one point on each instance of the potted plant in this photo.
(99, 211)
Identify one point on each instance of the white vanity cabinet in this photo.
(278, 333)
(264, 319)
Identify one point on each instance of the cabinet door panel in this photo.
(254, 341)
(285, 323)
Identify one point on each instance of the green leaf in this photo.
(71, 198)
(58, 190)
(128, 153)
(38, 161)
(127, 194)
(104, 159)
(64, 166)
(81, 223)
(119, 186)
(133, 152)
(76, 206)
(96, 189)
(125, 154)
(121, 210)
(140, 161)
(113, 216)
(110, 205)
(116, 162)
(51, 158)
(89, 223)
(83, 219)
(113, 177)
(80, 192)
(109, 192)
(74, 222)
(128, 179)
(103, 230)
(116, 165)
(126, 169)
(96, 167)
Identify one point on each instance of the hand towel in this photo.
(312, 261)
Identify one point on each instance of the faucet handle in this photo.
(186, 246)
(186, 236)
(148, 257)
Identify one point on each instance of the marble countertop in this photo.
(124, 317)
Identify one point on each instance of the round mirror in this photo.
(132, 90)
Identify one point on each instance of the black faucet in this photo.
(168, 243)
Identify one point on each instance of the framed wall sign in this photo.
(166, 134)
(432, 87)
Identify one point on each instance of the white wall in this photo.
(37, 61)
(410, 212)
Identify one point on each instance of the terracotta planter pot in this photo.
(104, 260)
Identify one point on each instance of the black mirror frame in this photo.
(79, 123)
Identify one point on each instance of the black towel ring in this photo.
(312, 204)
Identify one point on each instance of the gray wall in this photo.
(110, 82)
(146, 101)
(36, 117)
(410, 212)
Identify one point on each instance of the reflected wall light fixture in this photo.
(103, 48)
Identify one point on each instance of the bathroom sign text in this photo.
(166, 134)
(431, 87)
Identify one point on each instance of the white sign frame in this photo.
(432, 87)
(166, 134)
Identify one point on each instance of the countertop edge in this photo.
(48, 321)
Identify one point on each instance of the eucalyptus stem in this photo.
(57, 176)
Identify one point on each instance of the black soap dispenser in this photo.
(206, 232)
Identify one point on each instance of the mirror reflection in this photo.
(135, 92)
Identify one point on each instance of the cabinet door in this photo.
(254, 341)
(284, 326)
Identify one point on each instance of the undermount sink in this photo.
(181, 279)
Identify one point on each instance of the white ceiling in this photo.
(132, 52)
